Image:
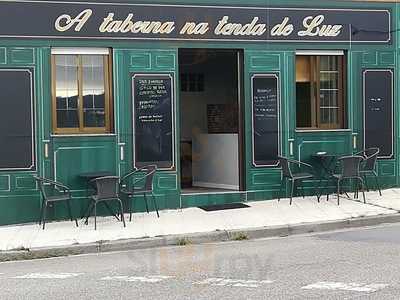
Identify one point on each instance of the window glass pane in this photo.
(328, 115)
(66, 91)
(328, 92)
(93, 90)
(303, 91)
(329, 63)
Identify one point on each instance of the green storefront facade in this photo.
(261, 56)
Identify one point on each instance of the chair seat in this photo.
(57, 198)
(97, 198)
(135, 191)
(340, 176)
(302, 175)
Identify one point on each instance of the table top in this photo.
(96, 174)
(326, 155)
(323, 154)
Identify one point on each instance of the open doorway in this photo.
(210, 120)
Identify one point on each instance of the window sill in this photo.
(81, 134)
(321, 130)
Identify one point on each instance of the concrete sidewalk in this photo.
(194, 222)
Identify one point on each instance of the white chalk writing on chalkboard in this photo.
(265, 117)
(153, 119)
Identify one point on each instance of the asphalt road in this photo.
(353, 264)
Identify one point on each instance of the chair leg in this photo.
(327, 190)
(366, 182)
(280, 189)
(130, 199)
(145, 201)
(89, 211)
(362, 188)
(301, 188)
(338, 191)
(69, 212)
(44, 214)
(122, 212)
(377, 184)
(95, 215)
(356, 190)
(291, 192)
(317, 190)
(41, 213)
(155, 205)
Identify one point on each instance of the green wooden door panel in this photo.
(263, 183)
(141, 61)
(21, 56)
(25, 182)
(75, 155)
(127, 62)
(376, 59)
(5, 183)
(3, 55)
(19, 200)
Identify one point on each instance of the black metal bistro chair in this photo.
(51, 192)
(368, 166)
(139, 182)
(106, 190)
(291, 171)
(350, 169)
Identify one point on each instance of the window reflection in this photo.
(319, 91)
(93, 91)
(81, 93)
(67, 91)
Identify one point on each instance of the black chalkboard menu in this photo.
(265, 117)
(222, 118)
(378, 110)
(153, 120)
(17, 145)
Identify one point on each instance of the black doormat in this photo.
(223, 206)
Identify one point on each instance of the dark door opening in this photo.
(210, 120)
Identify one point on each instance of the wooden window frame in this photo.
(315, 95)
(108, 107)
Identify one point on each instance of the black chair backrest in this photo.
(284, 163)
(107, 187)
(49, 187)
(40, 181)
(371, 155)
(351, 165)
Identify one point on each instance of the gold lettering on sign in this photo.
(314, 28)
(193, 28)
(65, 22)
(128, 25)
(283, 28)
(252, 28)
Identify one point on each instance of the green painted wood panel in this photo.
(264, 182)
(127, 62)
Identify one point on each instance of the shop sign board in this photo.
(83, 20)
